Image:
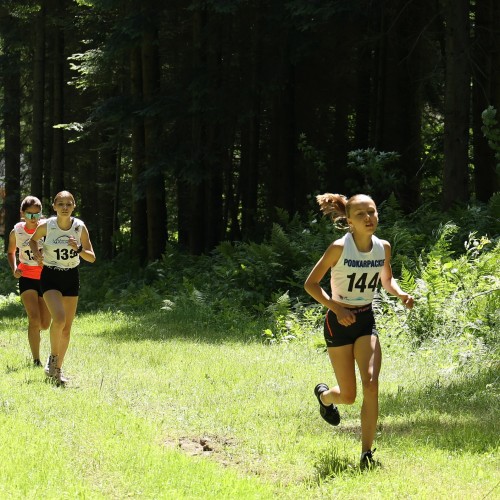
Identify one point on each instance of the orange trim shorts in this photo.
(337, 335)
(32, 272)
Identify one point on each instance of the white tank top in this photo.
(22, 243)
(355, 276)
(56, 252)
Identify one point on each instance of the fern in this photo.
(494, 208)
(407, 280)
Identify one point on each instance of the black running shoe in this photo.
(329, 413)
(366, 461)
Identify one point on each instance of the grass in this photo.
(181, 405)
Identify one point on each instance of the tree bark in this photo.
(283, 137)
(457, 103)
(138, 209)
(196, 181)
(155, 182)
(486, 57)
(38, 104)
(11, 79)
(57, 170)
(249, 168)
(108, 160)
(399, 107)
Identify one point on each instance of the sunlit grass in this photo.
(167, 406)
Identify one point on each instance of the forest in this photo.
(195, 136)
(198, 122)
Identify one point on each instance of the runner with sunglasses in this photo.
(28, 272)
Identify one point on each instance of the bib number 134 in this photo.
(360, 282)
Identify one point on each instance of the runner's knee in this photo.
(370, 386)
(347, 397)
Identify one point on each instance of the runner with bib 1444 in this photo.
(357, 262)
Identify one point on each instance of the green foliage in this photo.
(312, 155)
(291, 321)
(450, 267)
(430, 173)
(377, 172)
(404, 237)
(491, 131)
(455, 295)
(494, 213)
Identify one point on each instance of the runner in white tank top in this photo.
(358, 262)
(56, 250)
(66, 241)
(354, 278)
(28, 273)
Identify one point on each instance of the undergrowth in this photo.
(451, 268)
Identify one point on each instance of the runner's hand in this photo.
(407, 300)
(344, 316)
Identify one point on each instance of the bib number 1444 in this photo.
(360, 282)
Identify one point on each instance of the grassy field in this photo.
(171, 405)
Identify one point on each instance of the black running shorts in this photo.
(29, 284)
(67, 281)
(337, 335)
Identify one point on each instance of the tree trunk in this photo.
(11, 79)
(155, 182)
(399, 108)
(106, 199)
(57, 177)
(457, 99)
(250, 129)
(196, 188)
(283, 140)
(139, 225)
(215, 147)
(486, 80)
(249, 168)
(48, 194)
(364, 78)
(38, 104)
(340, 146)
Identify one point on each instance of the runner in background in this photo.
(28, 271)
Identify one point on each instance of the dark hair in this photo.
(31, 201)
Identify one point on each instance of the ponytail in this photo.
(338, 206)
(333, 205)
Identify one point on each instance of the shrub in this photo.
(455, 296)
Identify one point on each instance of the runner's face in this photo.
(64, 206)
(363, 216)
(32, 216)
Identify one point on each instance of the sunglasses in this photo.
(32, 216)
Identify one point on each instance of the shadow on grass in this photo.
(331, 463)
(192, 326)
(461, 415)
(12, 309)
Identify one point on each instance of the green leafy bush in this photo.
(454, 295)
(450, 267)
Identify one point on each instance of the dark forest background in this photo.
(197, 122)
